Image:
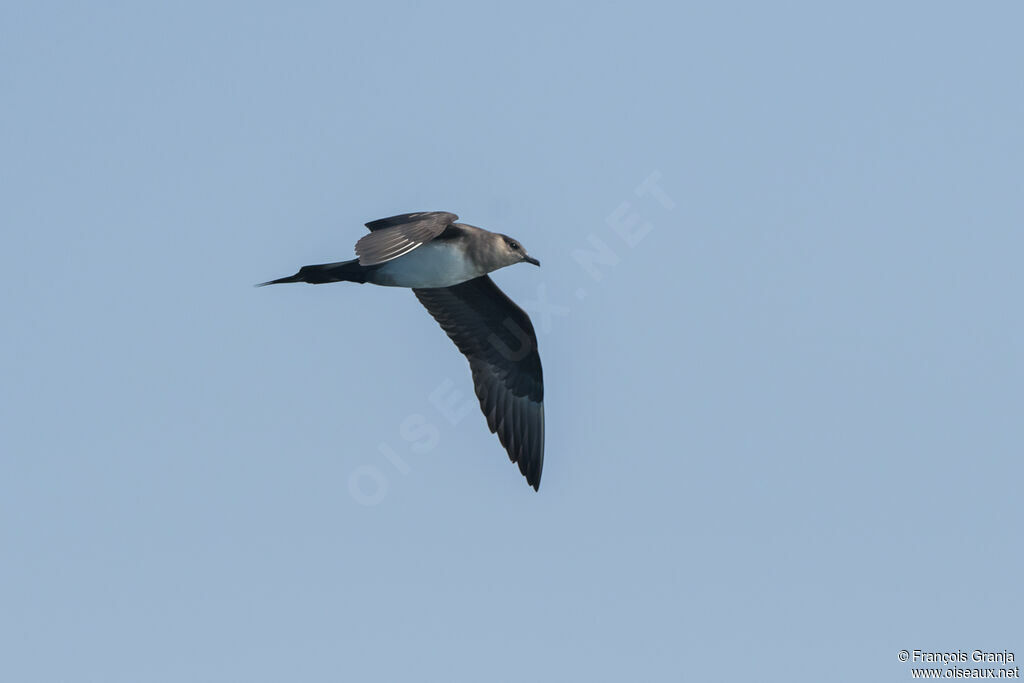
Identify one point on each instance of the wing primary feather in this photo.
(510, 387)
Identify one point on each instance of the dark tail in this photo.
(343, 271)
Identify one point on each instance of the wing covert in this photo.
(396, 236)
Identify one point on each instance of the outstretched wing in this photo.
(396, 236)
(498, 339)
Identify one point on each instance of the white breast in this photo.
(435, 264)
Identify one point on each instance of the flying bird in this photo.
(446, 265)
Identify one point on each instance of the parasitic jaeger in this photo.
(446, 265)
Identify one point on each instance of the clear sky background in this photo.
(783, 418)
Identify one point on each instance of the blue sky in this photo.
(783, 417)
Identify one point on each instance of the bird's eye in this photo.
(514, 246)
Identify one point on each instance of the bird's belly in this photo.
(431, 265)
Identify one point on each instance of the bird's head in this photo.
(510, 252)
